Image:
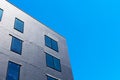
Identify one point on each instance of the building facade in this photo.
(29, 50)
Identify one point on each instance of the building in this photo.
(29, 50)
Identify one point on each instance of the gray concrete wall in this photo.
(33, 56)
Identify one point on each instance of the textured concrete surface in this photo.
(32, 60)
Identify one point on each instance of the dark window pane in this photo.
(51, 78)
(13, 71)
(16, 45)
(54, 45)
(49, 61)
(1, 13)
(47, 41)
(53, 62)
(57, 64)
(19, 25)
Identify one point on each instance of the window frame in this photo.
(58, 66)
(11, 49)
(52, 41)
(51, 65)
(9, 66)
(53, 60)
(22, 31)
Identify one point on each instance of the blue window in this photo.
(57, 64)
(54, 45)
(16, 45)
(53, 62)
(1, 13)
(13, 71)
(50, 78)
(49, 61)
(19, 25)
(49, 42)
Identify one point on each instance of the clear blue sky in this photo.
(92, 30)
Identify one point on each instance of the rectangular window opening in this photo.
(16, 45)
(49, 42)
(53, 62)
(19, 25)
(13, 71)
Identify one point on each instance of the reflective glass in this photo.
(49, 42)
(19, 25)
(13, 71)
(57, 64)
(49, 61)
(54, 45)
(16, 45)
(53, 62)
